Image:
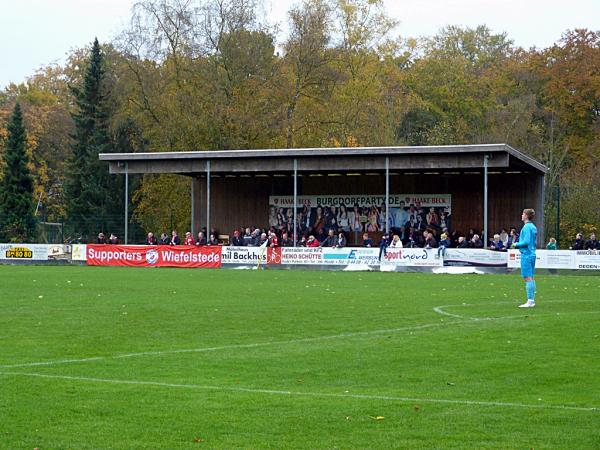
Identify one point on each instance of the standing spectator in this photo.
(175, 238)
(236, 240)
(367, 241)
(579, 243)
(150, 239)
(384, 243)
(551, 244)
(101, 238)
(497, 244)
(188, 239)
(342, 218)
(433, 219)
(164, 239)
(341, 240)
(201, 239)
(591, 243)
(401, 216)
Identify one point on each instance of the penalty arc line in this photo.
(306, 394)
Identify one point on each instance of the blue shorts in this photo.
(527, 266)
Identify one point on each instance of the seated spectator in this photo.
(444, 244)
(591, 243)
(463, 242)
(263, 240)
(476, 242)
(341, 240)
(188, 239)
(212, 239)
(175, 238)
(330, 240)
(302, 241)
(256, 238)
(247, 238)
(273, 240)
(367, 241)
(285, 240)
(101, 239)
(396, 242)
(579, 243)
(151, 240)
(551, 244)
(201, 239)
(496, 244)
(430, 241)
(164, 239)
(504, 237)
(312, 242)
(236, 240)
(114, 240)
(513, 237)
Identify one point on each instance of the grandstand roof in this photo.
(443, 158)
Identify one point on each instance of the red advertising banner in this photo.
(154, 256)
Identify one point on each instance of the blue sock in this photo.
(530, 289)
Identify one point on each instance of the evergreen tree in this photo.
(91, 204)
(17, 221)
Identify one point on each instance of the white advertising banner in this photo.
(351, 256)
(302, 255)
(243, 255)
(411, 257)
(587, 259)
(474, 257)
(395, 200)
(79, 252)
(546, 259)
(24, 252)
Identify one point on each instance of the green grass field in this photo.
(118, 358)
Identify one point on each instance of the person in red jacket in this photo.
(312, 242)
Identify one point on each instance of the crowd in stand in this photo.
(331, 227)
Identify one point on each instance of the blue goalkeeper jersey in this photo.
(527, 239)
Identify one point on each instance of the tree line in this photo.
(214, 74)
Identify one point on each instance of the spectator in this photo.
(150, 239)
(430, 241)
(496, 244)
(236, 240)
(579, 243)
(101, 239)
(330, 240)
(401, 216)
(504, 237)
(188, 239)
(164, 239)
(476, 242)
(273, 240)
(367, 241)
(285, 240)
(175, 238)
(463, 242)
(384, 243)
(201, 239)
(591, 243)
(343, 219)
(263, 240)
(212, 239)
(312, 242)
(341, 240)
(551, 244)
(396, 242)
(114, 240)
(247, 238)
(302, 241)
(513, 238)
(432, 218)
(444, 244)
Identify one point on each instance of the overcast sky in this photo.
(34, 33)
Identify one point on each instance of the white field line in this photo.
(304, 394)
(441, 310)
(233, 346)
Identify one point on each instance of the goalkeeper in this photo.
(526, 245)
